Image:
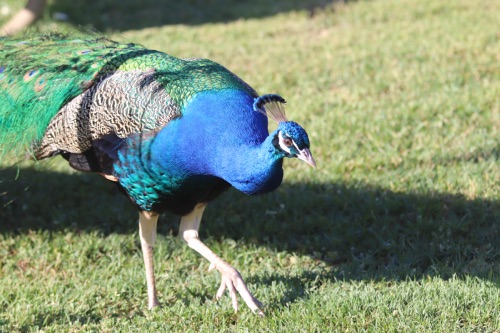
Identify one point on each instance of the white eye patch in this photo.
(282, 143)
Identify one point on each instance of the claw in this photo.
(232, 293)
(221, 289)
(211, 267)
(231, 279)
(260, 313)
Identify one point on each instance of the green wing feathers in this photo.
(38, 76)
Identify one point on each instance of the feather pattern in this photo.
(140, 103)
(41, 75)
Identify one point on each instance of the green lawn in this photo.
(396, 231)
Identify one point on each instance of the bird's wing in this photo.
(38, 76)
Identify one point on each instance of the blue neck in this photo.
(253, 169)
(219, 134)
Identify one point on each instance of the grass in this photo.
(396, 231)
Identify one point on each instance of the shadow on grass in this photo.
(358, 232)
(132, 14)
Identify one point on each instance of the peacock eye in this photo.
(287, 142)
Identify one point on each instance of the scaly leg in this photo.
(231, 278)
(147, 232)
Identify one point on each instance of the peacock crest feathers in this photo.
(271, 105)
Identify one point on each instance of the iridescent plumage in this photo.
(174, 134)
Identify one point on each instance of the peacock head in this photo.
(290, 139)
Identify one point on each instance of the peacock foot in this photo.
(232, 280)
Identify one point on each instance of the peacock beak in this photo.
(305, 155)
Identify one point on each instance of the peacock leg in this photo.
(231, 278)
(147, 233)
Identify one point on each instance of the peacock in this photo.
(172, 133)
